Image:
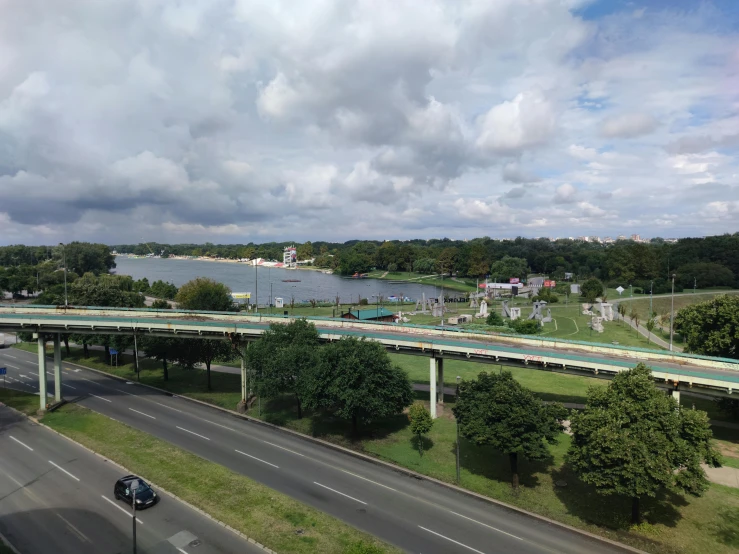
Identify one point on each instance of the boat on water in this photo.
(291, 280)
(360, 275)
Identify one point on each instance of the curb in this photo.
(123, 468)
(387, 465)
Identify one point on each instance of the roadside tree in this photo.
(508, 267)
(711, 328)
(633, 440)
(421, 423)
(496, 410)
(205, 294)
(495, 319)
(283, 360)
(591, 289)
(356, 380)
(650, 325)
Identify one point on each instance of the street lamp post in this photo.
(64, 255)
(456, 398)
(256, 288)
(134, 486)
(651, 289)
(672, 310)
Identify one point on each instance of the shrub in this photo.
(526, 326)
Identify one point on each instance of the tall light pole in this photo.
(134, 486)
(672, 310)
(456, 399)
(651, 288)
(256, 287)
(64, 255)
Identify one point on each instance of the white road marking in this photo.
(19, 442)
(70, 386)
(14, 367)
(80, 534)
(337, 492)
(100, 397)
(142, 413)
(170, 407)
(124, 392)
(183, 552)
(9, 356)
(257, 459)
(25, 377)
(283, 448)
(369, 480)
(121, 509)
(486, 525)
(194, 433)
(451, 540)
(64, 470)
(219, 425)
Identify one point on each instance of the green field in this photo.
(261, 513)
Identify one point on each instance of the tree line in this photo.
(703, 262)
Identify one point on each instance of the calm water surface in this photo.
(242, 277)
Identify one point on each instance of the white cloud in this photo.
(526, 121)
(628, 125)
(565, 194)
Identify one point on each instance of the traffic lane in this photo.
(485, 524)
(85, 483)
(339, 485)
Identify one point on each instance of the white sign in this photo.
(279, 303)
(620, 290)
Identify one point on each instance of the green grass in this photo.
(259, 512)
(730, 461)
(21, 401)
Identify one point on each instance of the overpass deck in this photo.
(716, 376)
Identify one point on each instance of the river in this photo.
(241, 278)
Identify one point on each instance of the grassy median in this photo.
(267, 516)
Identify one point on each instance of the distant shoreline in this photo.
(223, 260)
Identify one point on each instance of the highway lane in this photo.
(57, 497)
(418, 516)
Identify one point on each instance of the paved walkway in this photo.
(643, 331)
(725, 475)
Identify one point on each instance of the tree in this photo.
(447, 261)
(621, 309)
(497, 411)
(305, 251)
(356, 380)
(162, 349)
(508, 267)
(711, 328)
(105, 291)
(160, 289)
(650, 327)
(160, 304)
(526, 326)
(634, 317)
(633, 440)
(284, 358)
(142, 286)
(424, 265)
(591, 289)
(205, 294)
(392, 267)
(495, 319)
(421, 423)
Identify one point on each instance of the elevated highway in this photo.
(675, 371)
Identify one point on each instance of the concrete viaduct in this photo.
(671, 370)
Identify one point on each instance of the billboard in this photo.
(550, 284)
(241, 295)
(514, 280)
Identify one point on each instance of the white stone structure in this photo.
(606, 311)
(515, 313)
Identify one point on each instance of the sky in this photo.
(232, 121)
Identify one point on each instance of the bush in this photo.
(637, 290)
(526, 326)
(392, 268)
(363, 302)
(495, 319)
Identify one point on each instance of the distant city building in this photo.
(636, 238)
(621, 237)
(608, 240)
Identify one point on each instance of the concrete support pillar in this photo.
(440, 388)
(676, 395)
(57, 367)
(432, 387)
(42, 371)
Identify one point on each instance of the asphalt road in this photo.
(57, 497)
(416, 515)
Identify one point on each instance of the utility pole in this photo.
(456, 399)
(64, 255)
(672, 310)
(651, 288)
(134, 486)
